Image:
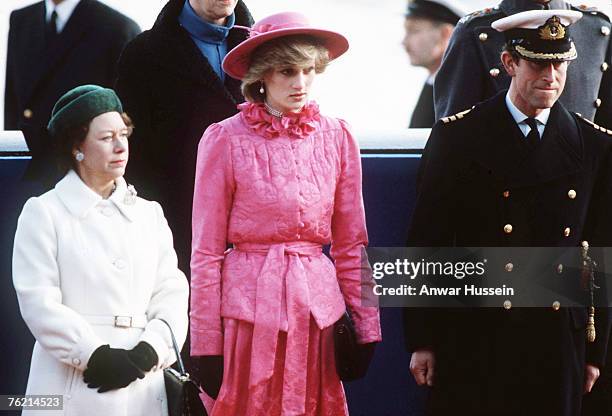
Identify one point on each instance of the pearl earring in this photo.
(261, 89)
(79, 156)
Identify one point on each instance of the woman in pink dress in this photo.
(278, 181)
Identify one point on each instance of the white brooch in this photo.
(130, 195)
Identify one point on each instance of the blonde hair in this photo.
(291, 50)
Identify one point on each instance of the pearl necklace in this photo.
(272, 111)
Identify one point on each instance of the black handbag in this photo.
(352, 360)
(183, 394)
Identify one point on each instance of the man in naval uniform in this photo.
(517, 170)
(428, 27)
(472, 72)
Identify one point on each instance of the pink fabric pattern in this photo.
(278, 190)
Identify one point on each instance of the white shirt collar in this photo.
(64, 11)
(519, 117)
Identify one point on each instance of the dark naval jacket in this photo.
(481, 185)
(173, 94)
(472, 71)
(38, 73)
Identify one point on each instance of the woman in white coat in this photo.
(94, 269)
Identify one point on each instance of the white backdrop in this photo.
(373, 86)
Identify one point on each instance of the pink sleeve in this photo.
(349, 239)
(212, 202)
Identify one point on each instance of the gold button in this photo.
(27, 113)
(483, 37)
(571, 194)
(566, 232)
(604, 67)
(509, 267)
(494, 72)
(508, 228)
(605, 30)
(507, 305)
(598, 102)
(506, 194)
(556, 305)
(559, 268)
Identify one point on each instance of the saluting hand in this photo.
(422, 365)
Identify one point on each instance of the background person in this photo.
(278, 181)
(428, 27)
(53, 46)
(93, 267)
(173, 86)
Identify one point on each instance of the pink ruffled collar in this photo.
(295, 125)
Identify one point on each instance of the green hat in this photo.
(79, 105)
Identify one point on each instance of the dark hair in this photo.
(69, 138)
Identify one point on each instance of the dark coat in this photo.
(518, 361)
(37, 74)
(472, 70)
(423, 116)
(173, 94)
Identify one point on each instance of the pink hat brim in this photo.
(237, 61)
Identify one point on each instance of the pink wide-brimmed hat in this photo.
(237, 61)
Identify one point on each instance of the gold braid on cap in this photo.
(559, 56)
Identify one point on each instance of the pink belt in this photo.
(267, 322)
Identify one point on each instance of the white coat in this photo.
(79, 261)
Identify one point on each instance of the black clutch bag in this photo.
(352, 359)
(183, 394)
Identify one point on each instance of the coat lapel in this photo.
(505, 153)
(33, 47)
(560, 152)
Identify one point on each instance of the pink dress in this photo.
(278, 189)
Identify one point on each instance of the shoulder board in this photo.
(455, 117)
(479, 13)
(591, 10)
(595, 126)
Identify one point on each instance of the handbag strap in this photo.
(177, 352)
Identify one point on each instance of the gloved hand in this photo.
(144, 356)
(209, 373)
(109, 369)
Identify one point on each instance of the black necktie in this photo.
(52, 28)
(533, 138)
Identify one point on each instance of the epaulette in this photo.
(595, 126)
(591, 10)
(456, 117)
(478, 13)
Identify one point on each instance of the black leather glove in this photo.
(110, 369)
(209, 373)
(143, 355)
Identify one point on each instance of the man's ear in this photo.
(509, 63)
